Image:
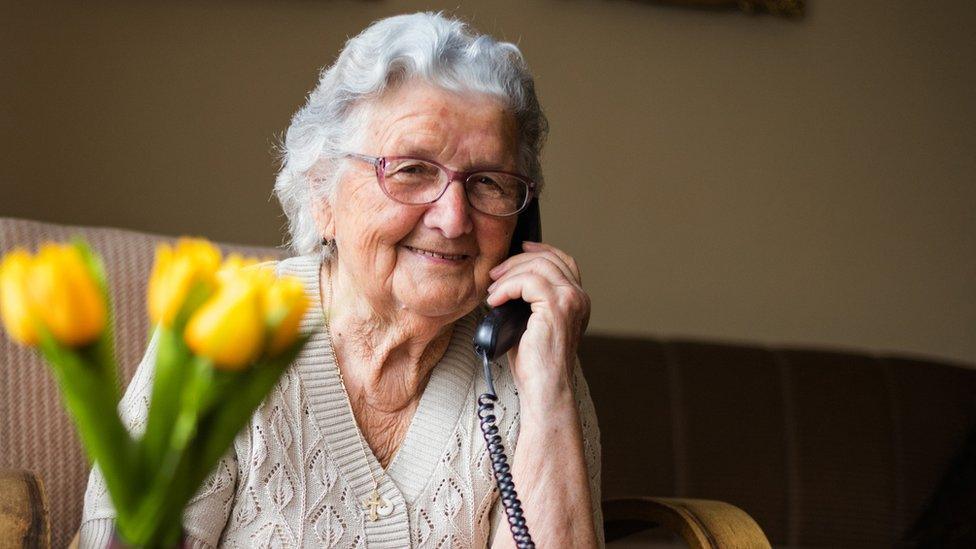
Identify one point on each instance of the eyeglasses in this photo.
(409, 180)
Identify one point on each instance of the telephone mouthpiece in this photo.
(502, 328)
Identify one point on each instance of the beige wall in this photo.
(716, 174)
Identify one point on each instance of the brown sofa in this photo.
(821, 448)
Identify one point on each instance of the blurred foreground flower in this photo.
(191, 264)
(65, 295)
(56, 290)
(229, 327)
(226, 332)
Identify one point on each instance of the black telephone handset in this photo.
(501, 329)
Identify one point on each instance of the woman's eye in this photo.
(414, 170)
(488, 186)
(486, 181)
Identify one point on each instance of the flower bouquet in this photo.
(227, 329)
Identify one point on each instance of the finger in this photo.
(546, 266)
(564, 301)
(516, 260)
(527, 256)
(530, 287)
(570, 262)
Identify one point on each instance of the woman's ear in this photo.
(321, 208)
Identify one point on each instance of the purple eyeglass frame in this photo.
(379, 164)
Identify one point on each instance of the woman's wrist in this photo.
(546, 401)
(544, 381)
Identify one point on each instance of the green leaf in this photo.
(91, 397)
(223, 424)
(171, 371)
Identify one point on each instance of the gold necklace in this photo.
(376, 505)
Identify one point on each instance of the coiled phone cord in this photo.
(499, 463)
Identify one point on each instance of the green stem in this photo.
(91, 396)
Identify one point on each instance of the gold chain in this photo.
(375, 501)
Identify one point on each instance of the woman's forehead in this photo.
(427, 121)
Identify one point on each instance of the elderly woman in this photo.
(404, 178)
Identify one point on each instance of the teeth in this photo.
(435, 254)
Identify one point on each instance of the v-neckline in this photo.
(449, 389)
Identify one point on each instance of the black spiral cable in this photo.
(499, 463)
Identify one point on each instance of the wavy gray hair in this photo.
(442, 51)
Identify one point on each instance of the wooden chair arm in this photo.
(23, 510)
(704, 524)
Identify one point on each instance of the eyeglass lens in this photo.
(413, 181)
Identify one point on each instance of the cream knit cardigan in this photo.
(296, 476)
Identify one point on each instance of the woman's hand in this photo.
(549, 280)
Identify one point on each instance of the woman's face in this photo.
(381, 242)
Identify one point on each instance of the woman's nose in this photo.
(451, 213)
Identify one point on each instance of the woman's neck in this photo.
(385, 359)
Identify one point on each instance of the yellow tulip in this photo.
(229, 327)
(236, 266)
(176, 271)
(14, 302)
(285, 305)
(65, 295)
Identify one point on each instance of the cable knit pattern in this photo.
(296, 475)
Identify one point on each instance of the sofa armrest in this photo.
(702, 523)
(23, 510)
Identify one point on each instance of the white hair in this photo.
(439, 50)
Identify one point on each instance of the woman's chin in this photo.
(447, 306)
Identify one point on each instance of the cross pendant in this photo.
(373, 505)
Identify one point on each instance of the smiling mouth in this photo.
(438, 255)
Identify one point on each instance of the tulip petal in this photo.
(229, 329)
(285, 306)
(177, 271)
(15, 311)
(65, 295)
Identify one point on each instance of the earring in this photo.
(328, 248)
